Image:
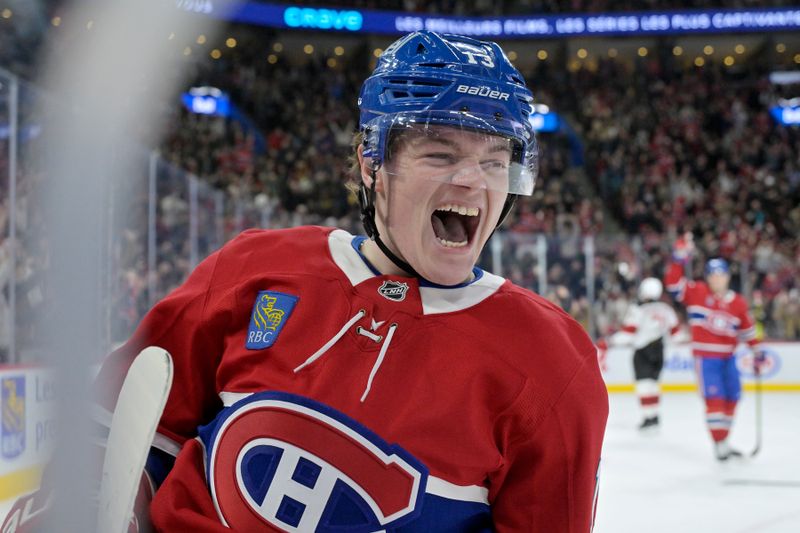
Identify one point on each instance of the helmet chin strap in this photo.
(366, 200)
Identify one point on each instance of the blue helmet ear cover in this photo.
(426, 71)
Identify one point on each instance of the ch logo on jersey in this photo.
(12, 428)
(270, 313)
(721, 323)
(280, 460)
(394, 290)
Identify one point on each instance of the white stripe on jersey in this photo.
(708, 347)
(230, 398)
(471, 493)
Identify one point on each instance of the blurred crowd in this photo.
(660, 161)
(667, 149)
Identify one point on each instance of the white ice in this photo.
(669, 482)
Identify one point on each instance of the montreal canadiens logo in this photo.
(394, 290)
(720, 323)
(282, 462)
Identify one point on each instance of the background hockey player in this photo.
(644, 328)
(719, 320)
(329, 381)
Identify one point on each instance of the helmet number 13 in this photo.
(486, 61)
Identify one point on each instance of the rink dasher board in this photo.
(28, 396)
(27, 430)
(781, 374)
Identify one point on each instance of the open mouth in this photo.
(455, 225)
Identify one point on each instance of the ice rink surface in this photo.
(669, 482)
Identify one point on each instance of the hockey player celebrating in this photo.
(719, 319)
(325, 381)
(644, 328)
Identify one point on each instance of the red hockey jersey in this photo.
(717, 324)
(312, 393)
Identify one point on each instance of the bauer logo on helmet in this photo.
(482, 91)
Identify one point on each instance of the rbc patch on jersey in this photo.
(280, 460)
(12, 428)
(270, 313)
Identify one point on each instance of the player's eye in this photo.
(495, 164)
(439, 158)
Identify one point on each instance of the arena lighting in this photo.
(544, 120)
(549, 26)
(788, 116)
(784, 77)
(322, 19)
(207, 101)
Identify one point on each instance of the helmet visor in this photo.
(457, 148)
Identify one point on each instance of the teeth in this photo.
(460, 209)
(451, 244)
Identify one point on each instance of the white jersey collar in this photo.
(435, 300)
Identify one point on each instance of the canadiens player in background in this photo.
(719, 320)
(331, 382)
(644, 328)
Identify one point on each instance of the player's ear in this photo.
(365, 164)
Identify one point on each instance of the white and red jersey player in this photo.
(332, 398)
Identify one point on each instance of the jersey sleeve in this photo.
(747, 326)
(680, 288)
(630, 325)
(673, 324)
(675, 281)
(183, 325)
(549, 481)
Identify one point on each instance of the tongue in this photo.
(448, 226)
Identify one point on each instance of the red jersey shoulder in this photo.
(696, 292)
(739, 304)
(543, 339)
(303, 247)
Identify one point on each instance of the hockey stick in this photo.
(759, 423)
(133, 425)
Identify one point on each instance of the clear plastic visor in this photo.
(460, 149)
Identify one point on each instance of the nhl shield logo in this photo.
(393, 290)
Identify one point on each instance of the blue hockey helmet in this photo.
(428, 79)
(426, 82)
(717, 266)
